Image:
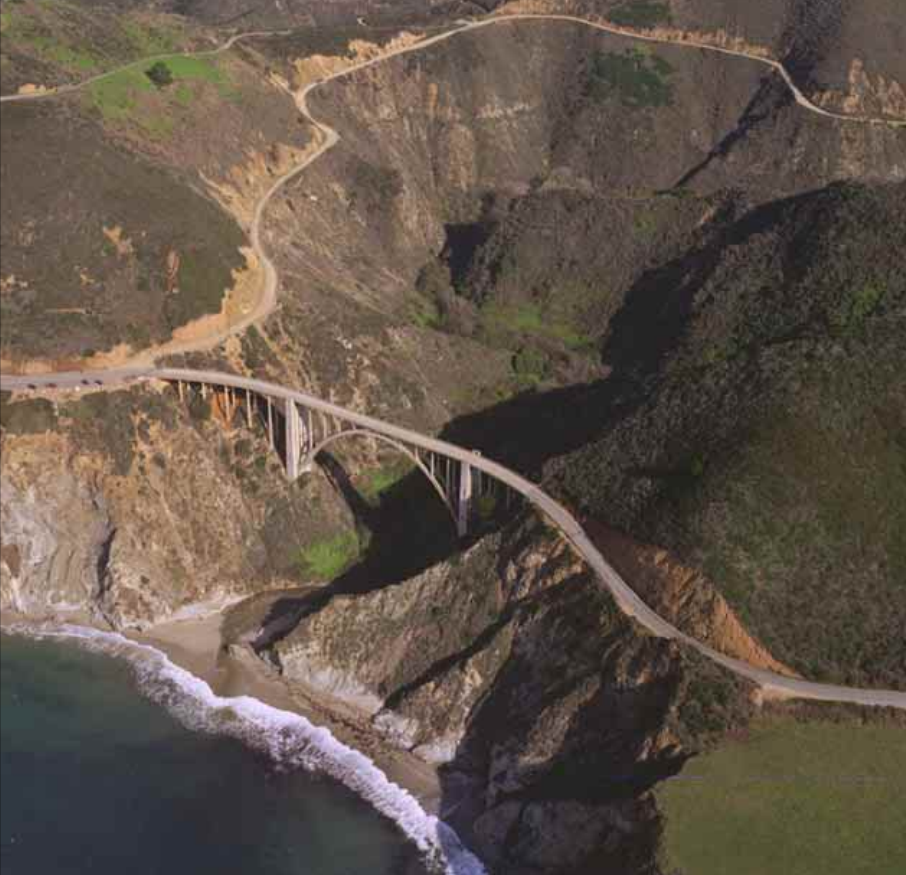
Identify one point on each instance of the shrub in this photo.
(160, 74)
(28, 417)
(531, 362)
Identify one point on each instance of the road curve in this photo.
(627, 599)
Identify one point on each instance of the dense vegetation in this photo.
(636, 78)
(755, 423)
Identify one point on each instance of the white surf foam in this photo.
(289, 739)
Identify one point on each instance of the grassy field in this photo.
(121, 97)
(794, 798)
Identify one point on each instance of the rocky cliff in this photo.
(131, 508)
(550, 713)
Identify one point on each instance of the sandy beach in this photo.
(196, 645)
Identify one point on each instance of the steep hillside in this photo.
(530, 121)
(839, 53)
(551, 713)
(112, 233)
(754, 423)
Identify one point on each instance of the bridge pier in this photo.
(464, 505)
(293, 441)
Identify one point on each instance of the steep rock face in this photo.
(551, 713)
(124, 511)
(56, 533)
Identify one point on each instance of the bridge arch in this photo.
(313, 453)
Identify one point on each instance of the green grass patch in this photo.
(329, 558)
(860, 303)
(116, 96)
(639, 13)
(187, 68)
(636, 78)
(534, 320)
(374, 482)
(797, 798)
(426, 314)
(121, 96)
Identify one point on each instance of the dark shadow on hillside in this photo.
(601, 760)
(406, 530)
(659, 306)
(766, 103)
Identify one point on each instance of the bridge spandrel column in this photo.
(464, 505)
(293, 441)
(270, 423)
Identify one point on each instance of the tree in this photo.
(160, 74)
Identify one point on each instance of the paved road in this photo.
(628, 600)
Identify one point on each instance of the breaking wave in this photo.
(288, 739)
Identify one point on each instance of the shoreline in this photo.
(196, 645)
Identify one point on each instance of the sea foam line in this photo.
(287, 738)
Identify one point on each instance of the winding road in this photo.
(268, 299)
(629, 602)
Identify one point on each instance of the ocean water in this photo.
(131, 765)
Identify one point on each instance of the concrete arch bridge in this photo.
(300, 427)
